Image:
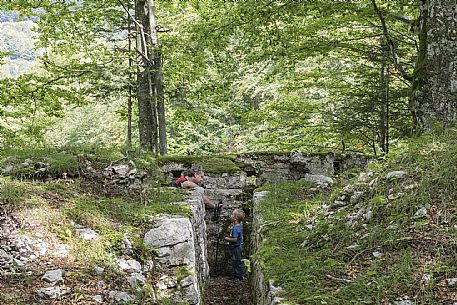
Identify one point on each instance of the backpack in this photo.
(178, 182)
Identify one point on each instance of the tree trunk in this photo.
(434, 95)
(161, 106)
(147, 120)
(129, 102)
(384, 106)
(157, 80)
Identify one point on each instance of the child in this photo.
(236, 243)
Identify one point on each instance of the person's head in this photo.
(195, 175)
(237, 215)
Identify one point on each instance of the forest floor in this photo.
(224, 291)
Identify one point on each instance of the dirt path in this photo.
(222, 291)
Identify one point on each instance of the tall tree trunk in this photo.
(147, 120)
(434, 96)
(161, 106)
(129, 102)
(384, 107)
(157, 80)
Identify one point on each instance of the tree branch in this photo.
(404, 19)
(391, 44)
(53, 80)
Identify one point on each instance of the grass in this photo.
(333, 263)
(55, 208)
(12, 193)
(70, 160)
(182, 273)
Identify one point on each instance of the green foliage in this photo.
(241, 76)
(12, 193)
(332, 260)
(285, 94)
(96, 125)
(27, 108)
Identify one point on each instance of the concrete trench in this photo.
(221, 288)
(236, 190)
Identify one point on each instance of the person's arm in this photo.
(189, 185)
(234, 234)
(208, 202)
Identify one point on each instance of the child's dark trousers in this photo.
(237, 265)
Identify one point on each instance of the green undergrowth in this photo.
(72, 161)
(375, 249)
(60, 207)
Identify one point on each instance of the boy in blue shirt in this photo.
(236, 243)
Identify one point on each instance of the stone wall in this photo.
(225, 188)
(273, 168)
(255, 170)
(181, 249)
(264, 291)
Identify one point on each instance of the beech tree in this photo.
(151, 105)
(434, 99)
(325, 63)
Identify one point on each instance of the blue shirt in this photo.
(236, 232)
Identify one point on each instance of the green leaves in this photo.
(238, 76)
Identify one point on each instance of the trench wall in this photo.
(235, 190)
(181, 253)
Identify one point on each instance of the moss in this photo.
(182, 273)
(211, 164)
(72, 160)
(265, 153)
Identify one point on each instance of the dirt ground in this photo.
(223, 291)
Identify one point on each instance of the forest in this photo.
(340, 113)
(198, 77)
